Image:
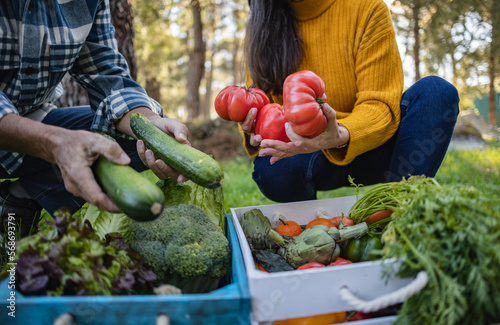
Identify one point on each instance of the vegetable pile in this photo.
(286, 249)
(94, 252)
(451, 232)
(69, 258)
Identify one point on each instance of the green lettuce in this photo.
(209, 200)
(104, 222)
(69, 258)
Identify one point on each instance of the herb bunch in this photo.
(387, 196)
(453, 233)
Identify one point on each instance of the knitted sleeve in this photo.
(379, 82)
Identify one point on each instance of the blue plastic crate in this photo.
(229, 304)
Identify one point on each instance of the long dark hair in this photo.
(273, 44)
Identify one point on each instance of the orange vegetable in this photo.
(310, 265)
(260, 267)
(345, 221)
(377, 216)
(340, 261)
(320, 221)
(289, 228)
(323, 319)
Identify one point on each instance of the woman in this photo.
(375, 133)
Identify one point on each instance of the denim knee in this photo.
(285, 180)
(437, 88)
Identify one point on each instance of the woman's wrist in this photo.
(344, 135)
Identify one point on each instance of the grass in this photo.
(479, 168)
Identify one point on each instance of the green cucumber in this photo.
(135, 195)
(190, 162)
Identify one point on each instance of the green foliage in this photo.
(164, 41)
(453, 233)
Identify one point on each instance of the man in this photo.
(46, 151)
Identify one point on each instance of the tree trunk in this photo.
(122, 20)
(491, 97)
(416, 34)
(492, 66)
(238, 74)
(196, 63)
(153, 88)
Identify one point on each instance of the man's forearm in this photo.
(20, 134)
(123, 125)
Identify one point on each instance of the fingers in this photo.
(329, 112)
(141, 151)
(247, 124)
(157, 166)
(111, 150)
(255, 139)
(294, 137)
(174, 128)
(84, 185)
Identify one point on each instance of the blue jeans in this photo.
(429, 111)
(43, 182)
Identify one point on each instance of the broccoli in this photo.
(183, 247)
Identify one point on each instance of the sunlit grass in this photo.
(479, 168)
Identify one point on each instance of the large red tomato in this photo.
(270, 123)
(233, 102)
(303, 99)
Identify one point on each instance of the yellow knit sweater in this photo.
(351, 45)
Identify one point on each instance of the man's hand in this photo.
(333, 136)
(170, 126)
(75, 153)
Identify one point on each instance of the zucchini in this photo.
(190, 162)
(135, 195)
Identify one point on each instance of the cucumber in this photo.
(135, 195)
(190, 162)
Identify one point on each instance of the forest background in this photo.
(185, 51)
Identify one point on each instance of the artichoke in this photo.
(317, 244)
(256, 226)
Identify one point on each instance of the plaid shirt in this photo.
(40, 41)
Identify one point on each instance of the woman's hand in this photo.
(248, 126)
(333, 136)
(173, 128)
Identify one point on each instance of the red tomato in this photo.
(359, 316)
(310, 265)
(233, 102)
(340, 261)
(303, 99)
(270, 123)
